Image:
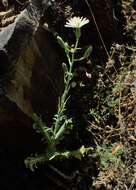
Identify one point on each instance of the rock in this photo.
(31, 77)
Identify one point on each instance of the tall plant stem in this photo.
(64, 96)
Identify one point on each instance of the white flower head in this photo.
(76, 22)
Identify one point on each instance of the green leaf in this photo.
(32, 162)
(67, 125)
(79, 153)
(87, 52)
(40, 127)
(63, 44)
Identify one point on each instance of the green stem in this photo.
(63, 99)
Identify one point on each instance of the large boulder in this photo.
(30, 75)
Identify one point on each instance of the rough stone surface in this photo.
(30, 75)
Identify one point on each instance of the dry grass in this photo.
(113, 121)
